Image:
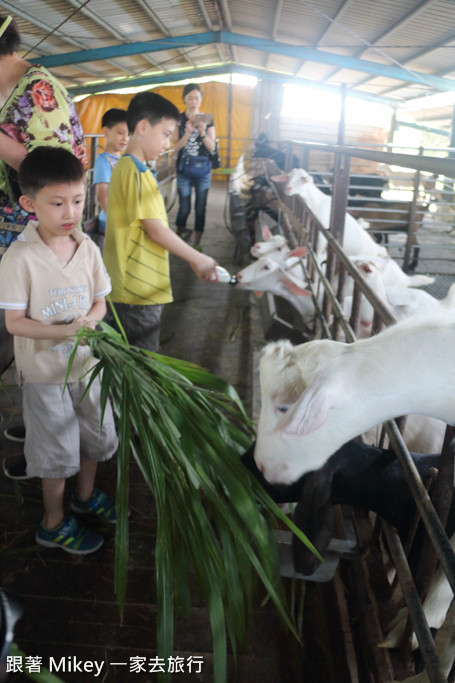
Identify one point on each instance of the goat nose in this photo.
(260, 466)
(239, 276)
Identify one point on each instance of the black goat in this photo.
(265, 149)
(357, 474)
(365, 187)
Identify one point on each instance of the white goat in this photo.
(271, 244)
(318, 395)
(394, 276)
(285, 280)
(355, 240)
(276, 247)
(275, 243)
(402, 302)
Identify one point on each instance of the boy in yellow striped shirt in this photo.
(138, 238)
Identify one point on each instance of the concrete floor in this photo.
(70, 605)
(213, 325)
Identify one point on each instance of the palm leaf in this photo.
(186, 429)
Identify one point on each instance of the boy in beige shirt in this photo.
(52, 283)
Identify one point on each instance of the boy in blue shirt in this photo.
(115, 131)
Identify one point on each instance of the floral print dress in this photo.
(38, 112)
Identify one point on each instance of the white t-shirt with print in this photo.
(33, 278)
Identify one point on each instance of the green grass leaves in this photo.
(186, 429)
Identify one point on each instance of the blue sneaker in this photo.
(70, 537)
(99, 505)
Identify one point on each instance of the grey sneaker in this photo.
(15, 467)
(15, 433)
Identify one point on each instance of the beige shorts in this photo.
(60, 425)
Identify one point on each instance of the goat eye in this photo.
(266, 267)
(282, 409)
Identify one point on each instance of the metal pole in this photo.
(342, 121)
(422, 631)
(229, 135)
(411, 240)
(431, 520)
(441, 495)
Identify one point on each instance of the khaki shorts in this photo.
(60, 426)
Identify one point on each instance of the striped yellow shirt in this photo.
(137, 266)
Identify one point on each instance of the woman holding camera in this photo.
(195, 142)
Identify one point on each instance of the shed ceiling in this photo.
(379, 49)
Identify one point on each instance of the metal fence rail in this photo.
(329, 320)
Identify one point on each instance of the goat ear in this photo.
(295, 286)
(280, 178)
(366, 267)
(403, 296)
(299, 252)
(266, 233)
(308, 414)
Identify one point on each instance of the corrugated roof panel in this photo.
(179, 16)
(287, 65)
(347, 76)
(421, 32)
(251, 57)
(344, 27)
(213, 11)
(205, 55)
(118, 23)
(253, 15)
(79, 27)
(127, 18)
(316, 72)
(412, 91)
(441, 60)
(392, 89)
(362, 22)
(302, 24)
(387, 55)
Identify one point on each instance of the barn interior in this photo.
(360, 95)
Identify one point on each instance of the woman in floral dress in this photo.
(35, 109)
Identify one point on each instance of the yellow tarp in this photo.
(215, 100)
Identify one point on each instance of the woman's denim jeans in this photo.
(201, 188)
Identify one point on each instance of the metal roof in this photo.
(393, 51)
